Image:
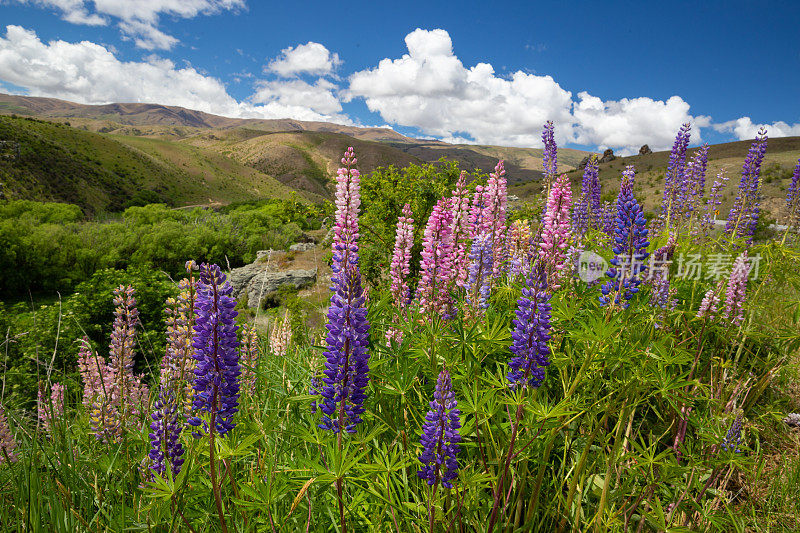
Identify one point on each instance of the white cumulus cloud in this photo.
(630, 122)
(310, 58)
(429, 88)
(137, 19)
(744, 128)
(89, 73)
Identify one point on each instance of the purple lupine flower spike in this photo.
(166, 429)
(674, 181)
(630, 245)
(216, 383)
(733, 439)
(480, 267)
(347, 358)
(531, 332)
(793, 197)
(743, 216)
(550, 155)
(714, 200)
(440, 435)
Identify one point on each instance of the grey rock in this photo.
(644, 150)
(258, 280)
(608, 155)
(302, 247)
(793, 420)
(583, 163)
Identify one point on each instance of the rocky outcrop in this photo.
(608, 155)
(258, 280)
(583, 163)
(302, 247)
(644, 150)
(793, 420)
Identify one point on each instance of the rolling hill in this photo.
(102, 156)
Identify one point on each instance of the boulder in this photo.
(644, 150)
(302, 247)
(258, 280)
(583, 163)
(793, 420)
(608, 155)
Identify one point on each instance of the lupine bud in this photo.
(736, 292)
(347, 359)
(531, 333)
(630, 245)
(7, 443)
(743, 217)
(440, 435)
(556, 232)
(216, 382)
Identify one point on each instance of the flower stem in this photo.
(499, 489)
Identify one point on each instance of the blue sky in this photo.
(610, 74)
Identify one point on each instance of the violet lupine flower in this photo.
(736, 293)
(216, 383)
(733, 439)
(531, 333)
(659, 275)
(674, 181)
(743, 217)
(588, 211)
(248, 357)
(401, 267)
(461, 229)
(436, 264)
(793, 197)
(440, 435)
(165, 438)
(52, 408)
(556, 231)
(609, 218)
(550, 155)
(347, 358)
(695, 180)
(480, 266)
(714, 200)
(7, 442)
(630, 245)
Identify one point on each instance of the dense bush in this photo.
(51, 246)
